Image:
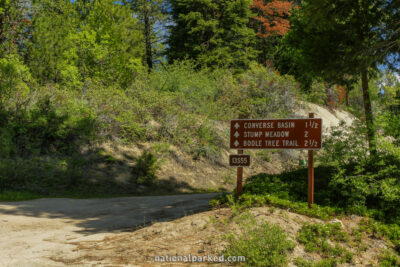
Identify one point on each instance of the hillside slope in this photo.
(181, 171)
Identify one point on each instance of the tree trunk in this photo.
(368, 113)
(147, 34)
(348, 89)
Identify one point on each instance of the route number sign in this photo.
(239, 160)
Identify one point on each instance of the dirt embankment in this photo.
(203, 234)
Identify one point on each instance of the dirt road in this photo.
(32, 233)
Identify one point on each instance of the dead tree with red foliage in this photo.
(270, 23)
(273, 17)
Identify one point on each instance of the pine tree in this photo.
(152, 17)
(212, 32)
(53, 22)
(13, 23)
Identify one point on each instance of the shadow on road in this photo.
(110, 215)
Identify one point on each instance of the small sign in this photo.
(276, 134)
(239, 160)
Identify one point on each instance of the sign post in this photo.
(239, 181)
(310, 173)
(277, 134)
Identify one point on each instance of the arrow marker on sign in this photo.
(237, 134)
(236, 143)
(237, 125)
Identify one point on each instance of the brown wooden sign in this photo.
(239, 160)
(276, 134)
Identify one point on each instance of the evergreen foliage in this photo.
(75, 42)
(153, 17)
(214, 33)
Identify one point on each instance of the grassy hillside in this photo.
(52, 134)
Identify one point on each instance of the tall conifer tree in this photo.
(213, 32)
(152, 15)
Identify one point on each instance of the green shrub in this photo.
(388, 259)
(390, 123)
(317, 94)
(362, 180)
(207, 145)
(144, 172)
(15, 79)
(292, 185)
(267, 94)
(42, 130)
(263, 244)
(325, 239)
(376, 228)
(344, 146)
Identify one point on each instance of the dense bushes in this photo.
(361, 180)
(346, 177)
(15, 80)
(42, 174)
(40, 147)
(390, 123)
(184, 104)
(43, 130)
(291, 185)
(268, 94)
(178, 104)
